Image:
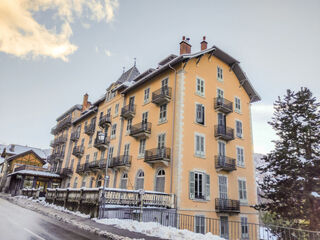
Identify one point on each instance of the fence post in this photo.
(141, 192)
(66, 199)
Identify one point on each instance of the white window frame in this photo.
(219, 78)
(129, 125)
(146, 96)
(141, 154)
(201, 154)
(110, 153)
(243, 200)
(201, 81)
(237, 109)
(238, 136)
(113, 131)
(204, 114)
(244, 235)
(161, 117)
(240, 164)
(116, 109)
(204, 222)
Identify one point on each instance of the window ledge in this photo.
(241, 166)
(162, 122)
(238, 111)
(200, 95)
(200, 156)
(140, 156)
(200, 200)
(116, 115)
(146, 102)
(203, 125)
(244, 203)
(112, 137)
(220, 79)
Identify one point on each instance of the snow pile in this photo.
(315, 194)
(157, 230)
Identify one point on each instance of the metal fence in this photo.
(233, 230)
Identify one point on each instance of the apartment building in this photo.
(182, 128)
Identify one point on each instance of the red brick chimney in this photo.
(185, 46)
(85, 102)
(204, 44)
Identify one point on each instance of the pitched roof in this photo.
(215, 51)
(70, 110)
(129, 75)
(25, 153)
(14, 149)
(85, 114)
(35, 173)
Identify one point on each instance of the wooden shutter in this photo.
(191, 185)
(202, 114)
(207, 195)
(198, 113)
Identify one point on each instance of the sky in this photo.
(52, 52)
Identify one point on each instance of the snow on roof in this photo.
(14, 149)
(2, 147)
(36, 173)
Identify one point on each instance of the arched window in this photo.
(75, 183)
(99, 181)
(140, 180)
(124, 181)
(160, 180)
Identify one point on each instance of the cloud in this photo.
(22, 35)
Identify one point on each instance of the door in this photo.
(145, 120)
(222, 153)
(131, 103)
(161, 145)
(126, 153)
(224, 227)
(220, 97)
(223, 187)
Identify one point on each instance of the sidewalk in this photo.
(107, 231)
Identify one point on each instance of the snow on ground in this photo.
(157, 230)
(315, 194)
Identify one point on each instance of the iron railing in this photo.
(223, 105)
(101, 142)
(89, 129)
(66, 172)
(104, 121)
(75, 136)
(140, 129)
(225, 163)
(128, 111)
(120, 161)
(227, 205)
(157, 154)
(162, 95)
(63, 124)
(78, 151)
(223, 132)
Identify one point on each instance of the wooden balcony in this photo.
(140, 130)
(128, 111)
(158, 155)
(98, 165)
(105, 121)
(89, 129)
(162, 95)
(121, 162)
(227, 206)
(75, 136)
(223, 105)
(224, 133)
(225, 163)
(78, 151)
(101, 142)
(66, 172)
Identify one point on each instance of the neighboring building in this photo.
(182, 128)
(24, 166)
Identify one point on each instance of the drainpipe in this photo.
(173, 122)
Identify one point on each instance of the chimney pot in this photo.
(185, 46)
(204, 44)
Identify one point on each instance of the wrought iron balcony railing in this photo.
(82, 168)
(227, 205)
(89, 129)
(66, 172)
(75, 136)
(225, 163)
(223, 105)
(101, 142)
(141, 130)
(123, 161)
(63, 124)
(105, 121)
(59, 156)
(158, 155)
(78, 151)
(128, 111)
(162, 95)
(223, 132)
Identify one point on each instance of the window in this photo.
(109, 112)
(161, 140)
(124, 181)
(110, 154)
(242, 190)
(129, 123)
(200, 87)
(146, 95)
(82, 142)
(244, 228)
(164, 83)
(199, 184)
(95, 156)
(126, 149)
(223, 187)
(239, 128)
(240, 156)
(160, 181)
(83, 184)
(142, 147)
(145, 117)
(99, 181)
(163, 113)
(200, 145)
(113, 131)
(219, 73)
(237, 104)
(140, 180)
(102, 154)
(200, 114)
(199, 224)
(87, 158)
(75, 183)
(90, 140)
(219, 93)
(116, 109)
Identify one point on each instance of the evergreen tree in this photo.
(292, 170)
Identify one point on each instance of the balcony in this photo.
(101, 142)
(83, 168)
(128, 111)
(59, 156)
(162, 95)
(52, 143)
(225, 163)
(140, 130)
(105, 121)
(75, 136)
(223, 105)
(89, 129)
(121, 162)
(224, 133)
(227, 206)
(51, 158)
(63, 124)
(158, 155)
(78, 151)
(97, 165)
(66, 172)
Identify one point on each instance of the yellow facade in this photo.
(180, 129)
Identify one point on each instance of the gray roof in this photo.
(70, 110)
(129, 75)
(35, 173)
(15, 149)
(85, 114)
(215, 51)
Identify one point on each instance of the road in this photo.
(17, 223)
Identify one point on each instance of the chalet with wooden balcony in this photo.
(105, 121)
(128, 111)
(224, 163)
(227, 206)
(101, 141)
(141, 130)
(162, 96)
(78, 151)
(223, 132)
(158, 155)
(223, 105)
(121, 162)
(89, 129)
